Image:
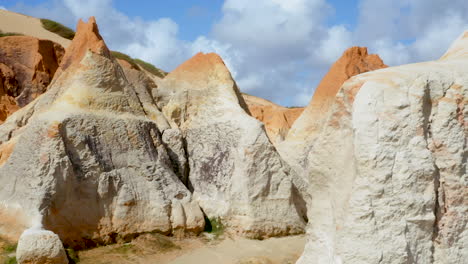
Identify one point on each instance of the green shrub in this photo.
(11, 260)
(58, 28)
(72, 256)
(10, 248)
(214, 226)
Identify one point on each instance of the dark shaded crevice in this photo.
(299, 203)
(188, 182)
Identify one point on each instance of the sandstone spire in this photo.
(236, 175)
(87, 38)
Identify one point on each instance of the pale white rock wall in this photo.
(387, 173)
(236, 174)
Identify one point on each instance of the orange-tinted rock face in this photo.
(87, 38)
(200, 71)
(354, 61)
(27, 66)
(277, 119)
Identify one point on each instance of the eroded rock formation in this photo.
(387, 172)
(354, 61)
(86, 160)
(277, 119)
(236, 174)
(27, 66)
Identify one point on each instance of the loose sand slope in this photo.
(30, 26)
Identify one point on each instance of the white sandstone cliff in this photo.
(387, 168)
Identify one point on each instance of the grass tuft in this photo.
(58, 28)
(11, 260)
(72, 256)
(8, 34)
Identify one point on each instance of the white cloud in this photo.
(337, 39)
(277, 49)
(3, 8)
(410, 31)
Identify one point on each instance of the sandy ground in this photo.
(200, 250)
(244, 251)
(26, 25)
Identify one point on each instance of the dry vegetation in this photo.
(58, 28)
(7, 34)
(137, 63)
(7, 251)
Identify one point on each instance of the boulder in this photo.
(86, 159)
(40, 247)
(387, 171)
(277, 119)
(236, 175)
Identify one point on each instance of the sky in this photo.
(275, 49)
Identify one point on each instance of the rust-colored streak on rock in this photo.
(87, 38)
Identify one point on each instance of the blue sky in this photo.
(275, 49)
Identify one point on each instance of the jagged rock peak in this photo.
(354, 61)
(201, 63)
(87, 38)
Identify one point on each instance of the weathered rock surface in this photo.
(27, 66)
(277, 119)
(354, 61)
(8, 83)
(388, 171)
(40, 247)
(236, 174)
(86, 159)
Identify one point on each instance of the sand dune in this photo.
(30, 26)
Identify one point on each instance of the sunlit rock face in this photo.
(87, 160)
(387, 169)
(27, 66)
(236, 174)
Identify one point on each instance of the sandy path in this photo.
(201, 250)
(26, 25)
(270, 251)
